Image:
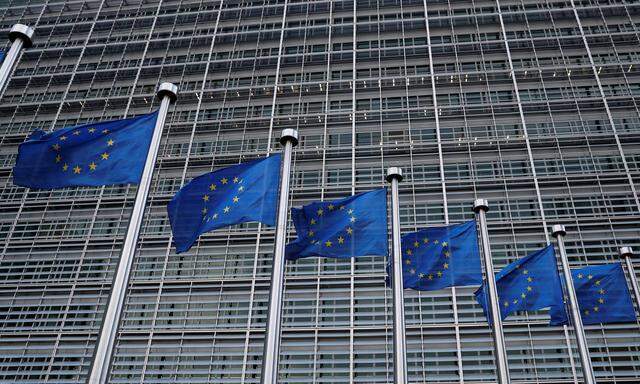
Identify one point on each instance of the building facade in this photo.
(531, 104)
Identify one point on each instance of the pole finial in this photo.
(626, 252)
(289, 134)
(394, 173)
(480, 204)
(168, 89)
(558, 230)
(21, 31)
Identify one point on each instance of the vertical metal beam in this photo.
(271, 353)
(480, 207)
(394, 176)
(627, 253)
(559, 232)
(99, 374)
(21, 36)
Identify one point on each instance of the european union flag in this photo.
(529, 283)
(345, 228)
(440, 257)
(228, 196)
(112, 152)
(603, 295)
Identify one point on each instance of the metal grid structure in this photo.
(532, 104)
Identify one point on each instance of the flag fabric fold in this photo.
(345, 228)
(527, 284)
(233, 195)
(440, 257)
(603, 295)
(112, 152)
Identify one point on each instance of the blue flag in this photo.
(603, 295)
(112, 152)
(228, 196)
(440, 257)
(527, 284)
(1, 56)
(345, 228)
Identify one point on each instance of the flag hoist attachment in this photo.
(20, 36)
(626, 253)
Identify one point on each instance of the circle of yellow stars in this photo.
(213, 187)
(77, 169)
(523, 295)
(601, 292)
(426, 241)
(340, 237)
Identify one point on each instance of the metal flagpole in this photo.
(21, 36)
(559, 232)
(480, 207)
(271, 354)
(167, 92)
(626, 253)
(394, 176)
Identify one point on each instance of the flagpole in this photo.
(21, 36)
(167, 92)
(480, 207)
(627, 253)
(559, 232)
(271, 354)
(394, 176)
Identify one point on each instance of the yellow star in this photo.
(104, 156)
(105, 131)
(56, 147)
(331, 207)
(63, 138)
(412, 271)
(601, 300)
(596, 308)
(409, 252)
(407, 261)
(215, 216)
(349, 230)
(110, 143)
(235, 199)
(340, 240)
(439, 274)
(241, 188)
(416, 244)
(590, 277)
(342, 207)
(212, 187)
(523, 295)
(421, 275)
(313, 221)
(601, 291)
(436, 241)
(224, 180)
(425, 240)
(235, 180)
(65, 167)
(447, 254)
(506, 303)
(597, 282)
(586, 312)
(529, 288)
(328, 243)
(311, 233)
(91, 130)
(430, 277)
(204, 211)
(525, 272)
(320, 212)
(350, 211)
(445, 266)
(205, 197)
(58, 158)
(77, 169)
(92, 166)
(529, 279)
(352, 219)
(76, 132)
(579, 275)
(444, 244)
(515, 301)
(226, 209)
